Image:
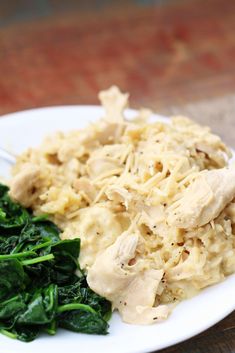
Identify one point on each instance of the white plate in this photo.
(21, 130)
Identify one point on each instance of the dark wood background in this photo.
(171, 55)
(163, 52)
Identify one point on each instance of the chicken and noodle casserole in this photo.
(152, 202)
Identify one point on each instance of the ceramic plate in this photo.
(21, 130)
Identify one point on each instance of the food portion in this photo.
(132, 288)
(152, 202)
(204, 199)
(41, 285)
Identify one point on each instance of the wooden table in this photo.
(173, 56)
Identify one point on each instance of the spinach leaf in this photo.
(8, 244)
(41, 284)
(3, 190)
(81, 293)
(42, 307)
(12, 278)
(11, 307)
(25, 333)
(70, 293)
(12, 214)
(83, 321)
(66, 254)
(37, 233)
(47, 230)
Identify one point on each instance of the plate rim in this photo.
(23, 113)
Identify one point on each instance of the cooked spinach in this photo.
(41, 285)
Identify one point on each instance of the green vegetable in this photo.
(83, 321)
(12, 215)
(12, 278)
(39, 288)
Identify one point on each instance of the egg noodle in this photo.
(151, 201)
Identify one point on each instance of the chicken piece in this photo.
(84, 185)
(131, 288)
(136, 303)
(119, 194)
(230, 212)
(23, 187)
(204, 199)
(114, 102)
(105, 160)
(192, 266)
(96, 167)
(109, 133)
(214, 153)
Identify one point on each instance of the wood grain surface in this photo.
(163, 54)
(173, 56)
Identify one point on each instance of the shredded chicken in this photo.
(204, 199)
(24, 185)
(131, 288)
(145, 198)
